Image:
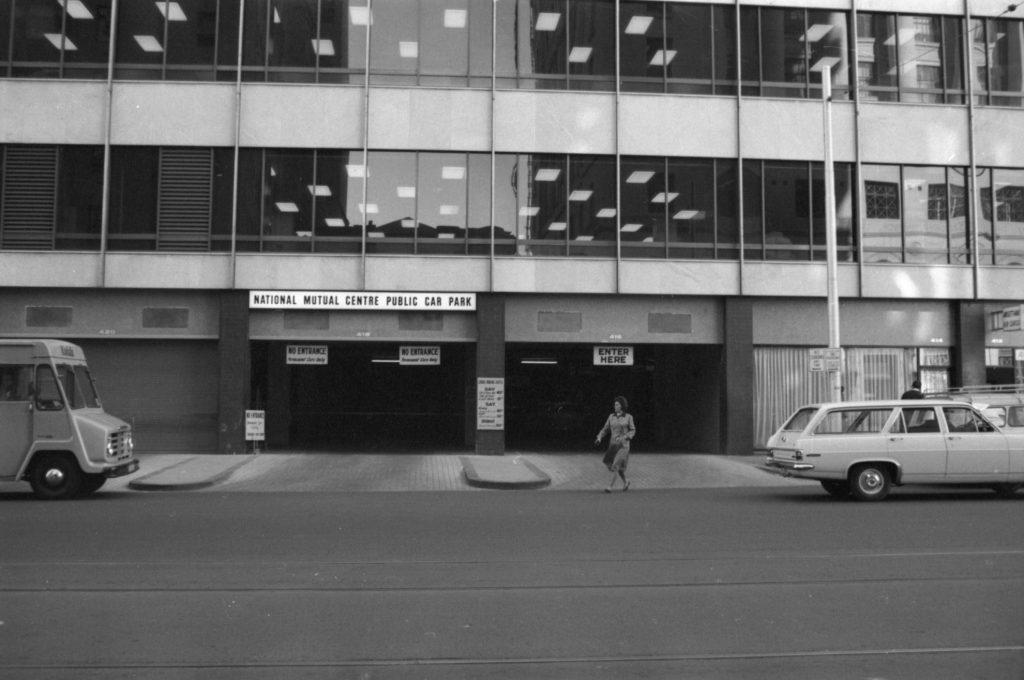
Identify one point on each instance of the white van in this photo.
(56, 435)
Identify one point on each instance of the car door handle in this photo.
(895, 439)
(954, 438)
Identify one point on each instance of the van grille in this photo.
(120, 447)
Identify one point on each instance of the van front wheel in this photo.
(55, 477)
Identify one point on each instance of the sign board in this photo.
(827, 359)
(254, 426)
(606, 355)
(419, 355)
(1018, 355)
(490, 403)
(362, 300)
(1012, 318)
(307, 355)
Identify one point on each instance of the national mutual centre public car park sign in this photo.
(362, 301)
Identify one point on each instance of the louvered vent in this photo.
(29, 198)
(184, 208)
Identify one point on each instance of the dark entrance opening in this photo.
(363, 399)
(557, 399)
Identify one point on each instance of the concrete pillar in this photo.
(738, 374)
(490, 363)
(234, 372)
(969, 350)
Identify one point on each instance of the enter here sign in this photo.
(605, 355)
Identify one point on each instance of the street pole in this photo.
(832, 270)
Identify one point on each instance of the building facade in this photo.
(453, 224)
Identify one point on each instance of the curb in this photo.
(498, 472)
(176, 479)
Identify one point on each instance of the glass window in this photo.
(882, 237)
(338, 194)
(431, 42)
(39, 40)
(645, 203)
(390, 202)
(134, 175)
(877, 60)
(220, 204)
(441, 206)
(723, 36)
(593, 216)
(478, 215)
(79, 197)
(288, 204)
(999, 61)
(911, 58)
(250, 200)
(141, 40)
(926, 215)
(1004, 200)
(844, 197)
(305, 40)
(727, 209)
(783, 57)
(691, 211)
(643, 54)
(191, 38)
(48, 396)
(753, 220)
(689, 49)
(539, 201)
(787, 206)
(556, 44)
(6, 19)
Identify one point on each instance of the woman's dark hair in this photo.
(624, 403)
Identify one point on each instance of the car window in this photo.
(800, 419)
(916, 420)
(853, 421)
(1015, 416)
(965, 420)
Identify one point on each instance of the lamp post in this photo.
(825, 65)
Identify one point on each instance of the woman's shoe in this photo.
(607, 489)
(625, 488)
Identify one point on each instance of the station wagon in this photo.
(865, 448)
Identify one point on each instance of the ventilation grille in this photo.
(165, 317)
(48, 317)
(420, 321)
(559, 322)
(184, 206)
(669, 323)
(29, 198)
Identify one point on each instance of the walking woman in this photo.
(621, 428)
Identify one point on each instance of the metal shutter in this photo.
(184, 206)
(167, 389)
(29, 214)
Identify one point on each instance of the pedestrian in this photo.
(621, 430)
(914, 392)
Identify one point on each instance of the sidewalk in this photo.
(304, 471)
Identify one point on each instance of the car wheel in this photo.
(55, 477)
(835, 488)
(870, 482)
(91, 484)
(1007, 490)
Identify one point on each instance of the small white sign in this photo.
(826, 359)
(610, 355)
(419, 355)
(1012, 318)
(490, 403)
(315, 355)
(1018, 355)
(254, 426)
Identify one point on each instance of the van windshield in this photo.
(78, 386)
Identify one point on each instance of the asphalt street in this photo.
(727, 582)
